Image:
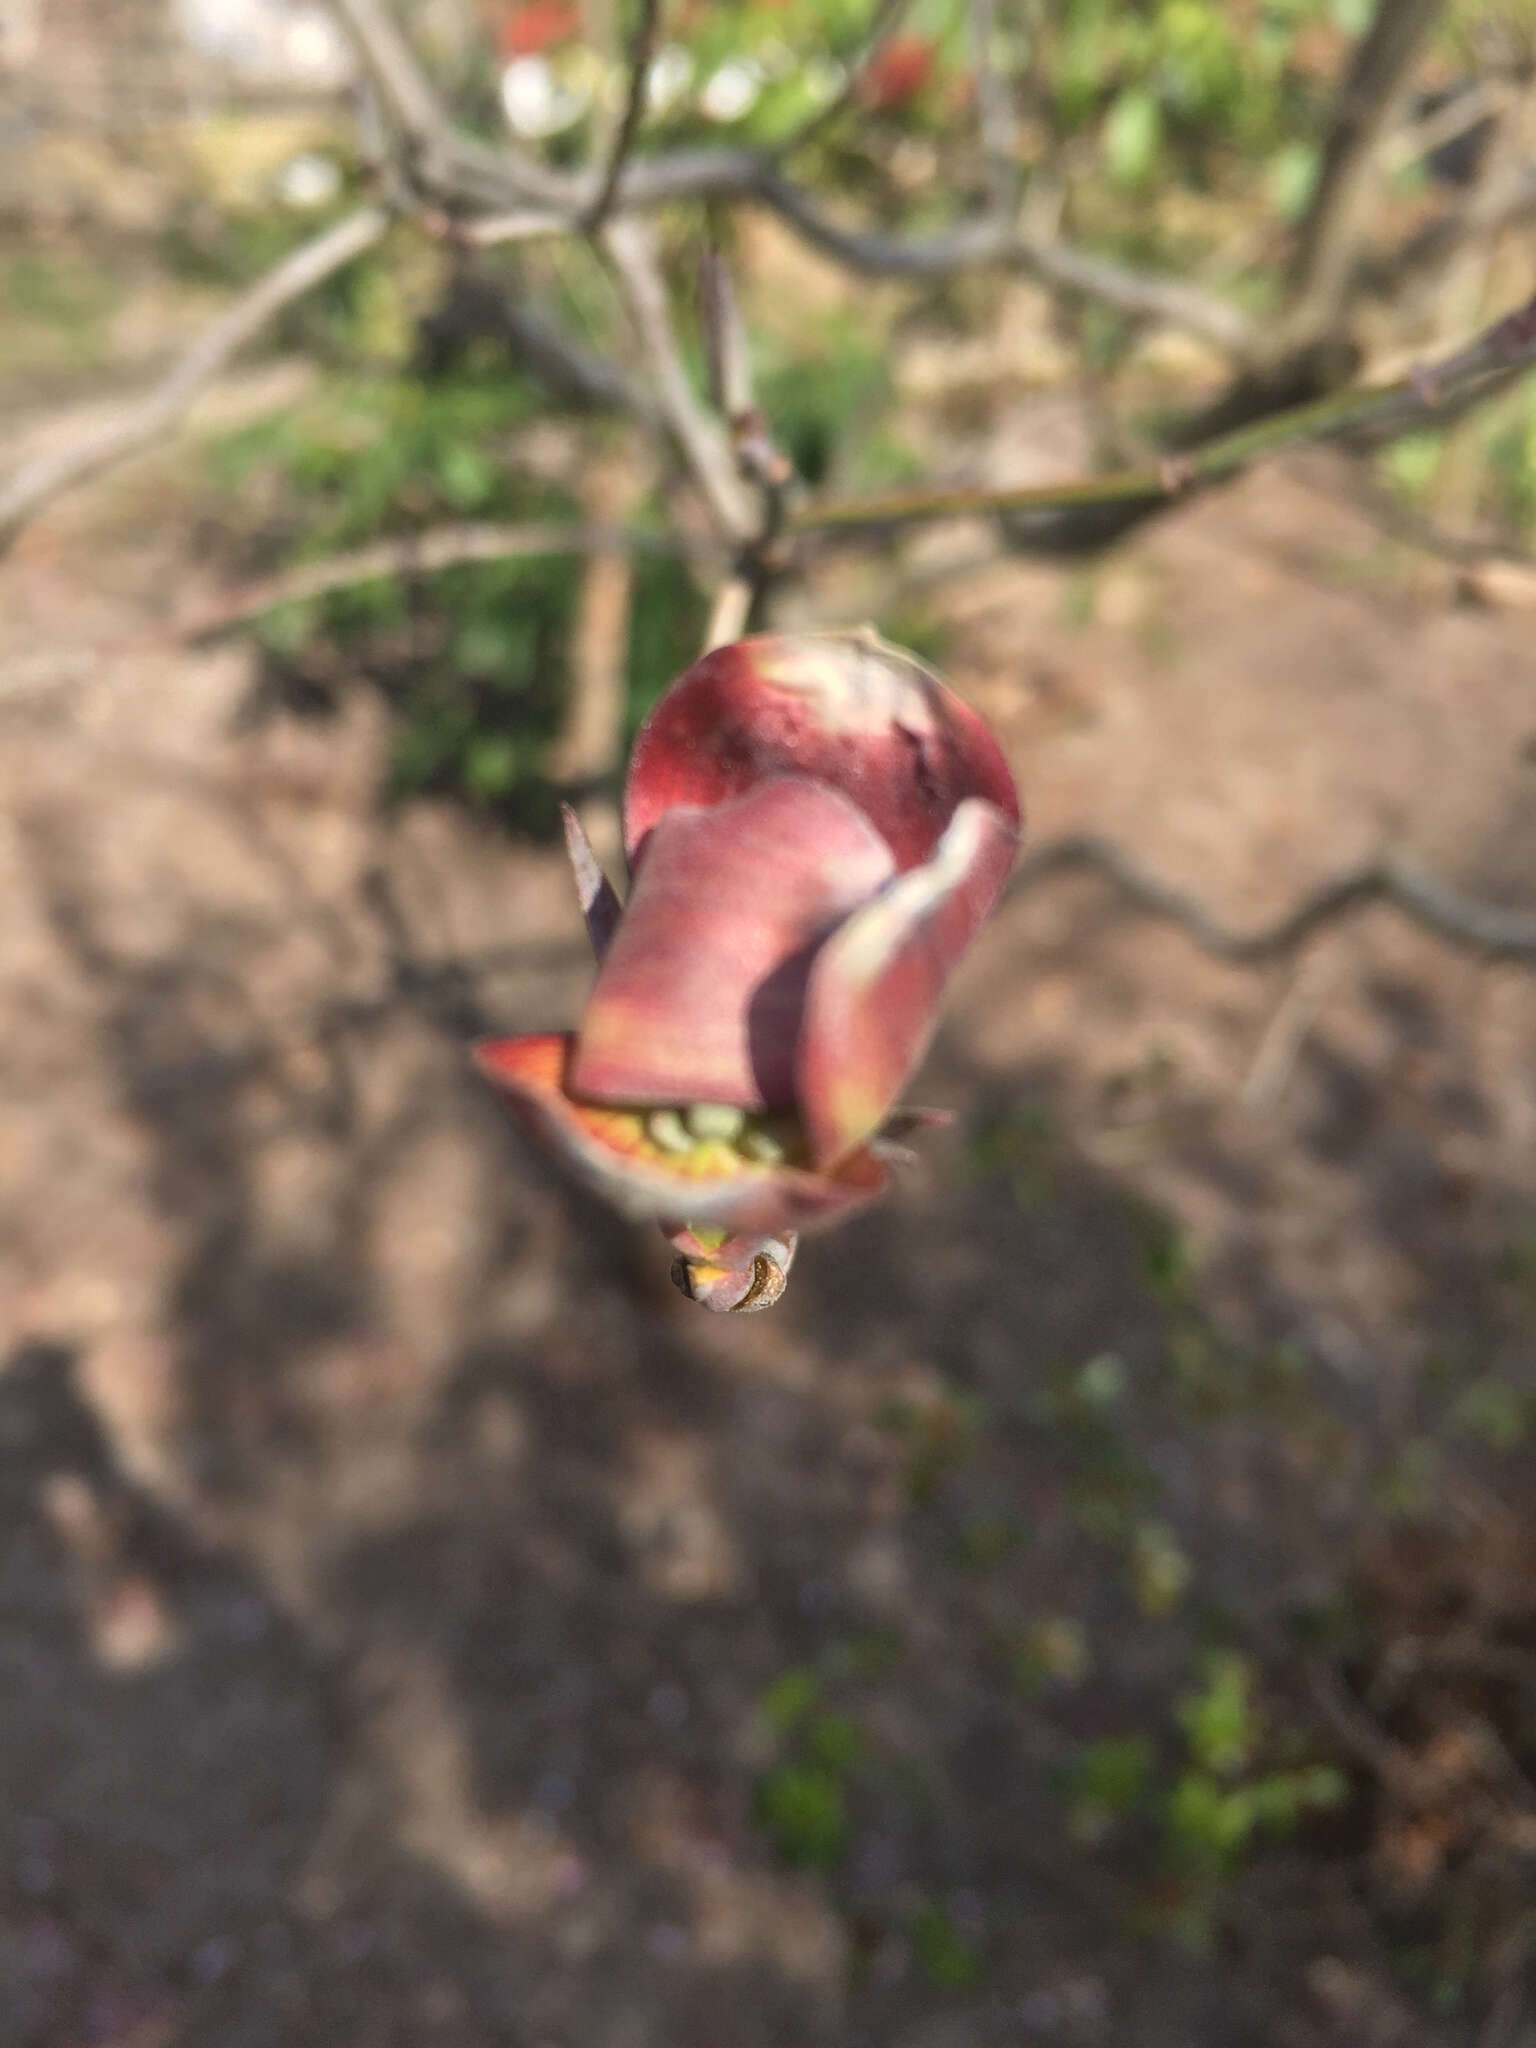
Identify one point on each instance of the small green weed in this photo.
(950, 1959)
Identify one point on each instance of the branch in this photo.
(463, 172)
(994, 103)
(426, 554)
(1079, 513)
(472, 176)
(446, 160)
(1334, 227)
(993, 239)
(729, 613)
(1460, 114)
(641, 52)
(1463, 921)
(146, 419)
(1427, 250)
(573, 373)
(632, 249)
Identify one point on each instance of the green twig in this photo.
(1427, 396)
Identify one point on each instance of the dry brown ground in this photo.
(391, 1564)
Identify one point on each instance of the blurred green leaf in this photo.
(1292, 179)
(1218, 1720)
(802, 1810)
(466, 477)
(1160, 1571)
(1108, 1783)
(785, 1702)
(949, 1959)
(1413, 461)
(490, 765)
(1133, 136)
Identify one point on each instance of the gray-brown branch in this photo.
(641, 53)
(1369, 105)
(699, 436)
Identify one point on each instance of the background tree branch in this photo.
(641, 52)
(1369, 105)
(144, 420)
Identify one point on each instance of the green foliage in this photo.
(1167, 1262)
(1292, 178)
(789, 1698)
(1133, 136)
(1218, 1804)
(1206, 1802)
(823, 395)
(1160, 1571)
(1497, 1413)
(1108, 1783)
(950, 1959)
(801, 1800)
(804, 1813)
(1489, 458)
(1218, 1720)
(474, 658)
(1177, 85)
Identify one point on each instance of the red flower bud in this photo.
(816, 830)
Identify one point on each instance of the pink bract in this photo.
(816, 829)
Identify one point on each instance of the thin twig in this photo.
(1334, 226)
(994, 104)
(631, 246)
(883, 24)
(1459, 115)
(1389, 1762)
(481, 184)
(641, 51)
(142, 421)
(726, 348)
(1371, 414)
(492, 304)
(444, 158)
(523, 224)
(426, 554)
(1422, 255)
(1486, 928)
(729, 613)
(995, 241)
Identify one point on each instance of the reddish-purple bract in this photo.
(817, 828)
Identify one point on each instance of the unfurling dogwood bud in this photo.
(816, 830)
